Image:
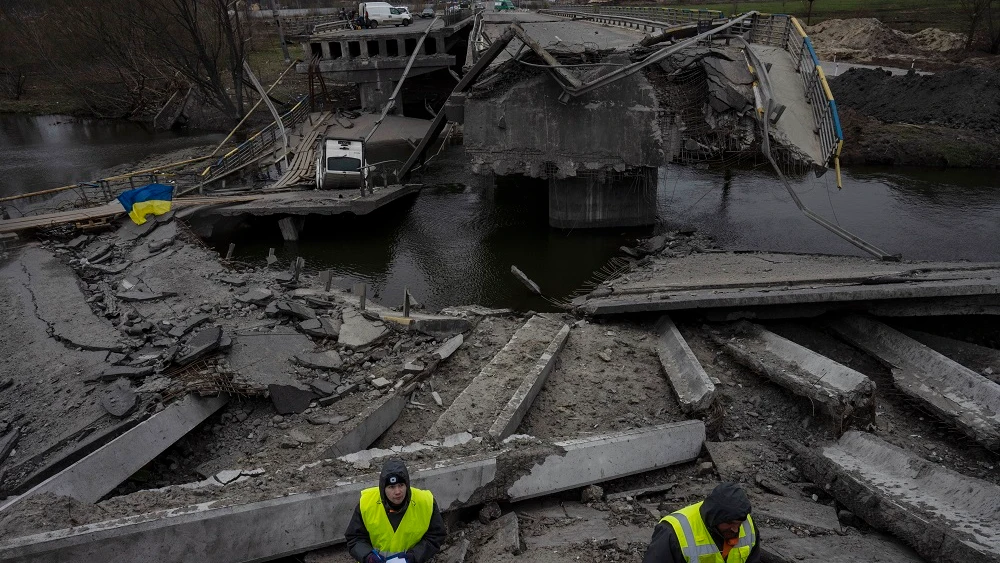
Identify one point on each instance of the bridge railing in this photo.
(258, 144)
(655, 13)
(817, 89)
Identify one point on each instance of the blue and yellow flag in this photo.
(150, 199)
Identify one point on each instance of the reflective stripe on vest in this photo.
(697, 544)
(412, 527)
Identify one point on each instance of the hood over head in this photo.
(394, 471)
(726, 503)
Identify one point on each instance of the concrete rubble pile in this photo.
(263, 400)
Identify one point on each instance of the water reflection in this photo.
(922, 214)
(41, 152)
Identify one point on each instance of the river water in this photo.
(454, 244)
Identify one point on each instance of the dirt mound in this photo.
(967, 98)
(933, 39)
(866, 38)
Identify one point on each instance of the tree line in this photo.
(123, 57)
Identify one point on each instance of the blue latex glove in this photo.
(375, 557)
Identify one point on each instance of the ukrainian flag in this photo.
(150, 199)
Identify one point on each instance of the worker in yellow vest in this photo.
(716, 530)
(394, 522)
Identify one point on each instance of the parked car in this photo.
(427, 13)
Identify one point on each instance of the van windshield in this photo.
(343, 164)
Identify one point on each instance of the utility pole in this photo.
(281, 32)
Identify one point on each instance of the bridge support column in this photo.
(374, 96)
(291, 227)
(605, 199)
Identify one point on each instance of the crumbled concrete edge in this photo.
(929, 536)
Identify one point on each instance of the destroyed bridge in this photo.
(595, 102)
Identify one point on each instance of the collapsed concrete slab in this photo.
(478, 407)
(511, 416)
(947, 517)
(359, 332)
(783, 546)
(979, 359)
(692, 387)
(100, 472)
(840, 391)
(264, 358)
(361, 431)
(295, 523)
(58, 301)
(956, 393)
(799, 513)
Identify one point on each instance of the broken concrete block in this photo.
(692, 387)
(189, 325)
(979, 359)
(100, 472)
(544, 470)
(116, 372)
(233, 280)
(320, 360)
(490, 512)
(486, 404)
(359, 332)
(288, 399)
(321, 327)
(98, 251)
(130, 231)
(323, 387)
(517, 407)
(366, 427)
(413, 366)
(504, 538)
(449, 347)
(201, 344)
(143, 295)
(799, 513)
(118, 398)
(381, 383)
(956, 393)
(784, 546)
(739, 461)
(947, 517)
(112, 269)
(475, 311)
(321, 419)
(78, 241)
(8, 441)
(841, 391)
(295, 310)
(159, 244)
(437, 398)
(257, 296)
(442, 327)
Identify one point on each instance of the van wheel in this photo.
(373, 24)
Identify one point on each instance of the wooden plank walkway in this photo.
(302, 167)
(109, 210)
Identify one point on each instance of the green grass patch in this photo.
(906, 15)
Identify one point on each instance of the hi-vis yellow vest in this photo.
(697, 544)
(411, 528)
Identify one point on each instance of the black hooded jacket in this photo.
(359, 542)
(726, 503)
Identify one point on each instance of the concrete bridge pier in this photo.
(374, 95)
(605, 199)
(291, 227)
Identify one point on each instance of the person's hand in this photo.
(407, 556)
(375, 557)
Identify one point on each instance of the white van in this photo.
(384, 13)
(340, 164)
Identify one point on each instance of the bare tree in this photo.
(974, 11)
(206, 41)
